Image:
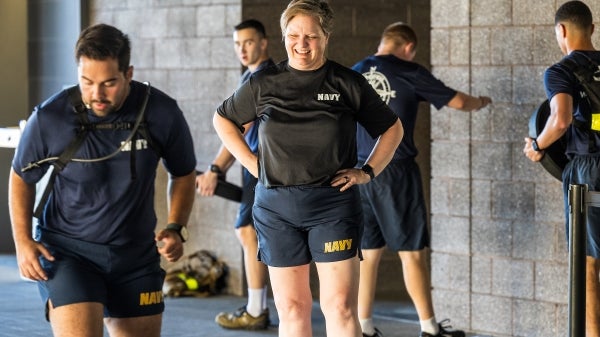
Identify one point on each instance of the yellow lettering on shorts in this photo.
(339, 245)
(150, 298)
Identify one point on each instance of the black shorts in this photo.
(126, 280)
(585, 170)
(300, 224)
(394, 209)
(244, 216)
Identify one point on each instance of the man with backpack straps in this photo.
(94, 254)
(572, 113)
(587, 73)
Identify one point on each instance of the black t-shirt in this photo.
(307, 128)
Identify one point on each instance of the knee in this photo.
(292, 308)
(339, 307)
(247, 236)
(413, 257)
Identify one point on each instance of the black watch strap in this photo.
(180, 229)
(366, 168)
(535, 145)
(215, 168)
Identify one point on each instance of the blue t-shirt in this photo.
(559, 79)
(402, 85)
(99, 201)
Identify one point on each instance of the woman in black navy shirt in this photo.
(307, 205)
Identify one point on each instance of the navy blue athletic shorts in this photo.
(394, 209)
(300, 224)
(585, 170)
(127, 280)
(244, 216)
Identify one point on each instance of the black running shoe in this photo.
(445, 324)
(376, 334)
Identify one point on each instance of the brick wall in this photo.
(499, 262)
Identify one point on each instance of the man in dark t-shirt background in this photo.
(393, 203)
(251, 47)
(574, 27)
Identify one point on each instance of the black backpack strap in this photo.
(65, 157)
(85, 126)
(581, 73)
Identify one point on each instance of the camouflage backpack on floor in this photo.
(199, 274)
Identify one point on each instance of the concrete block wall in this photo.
(499, 261)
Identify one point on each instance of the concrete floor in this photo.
(21, 313)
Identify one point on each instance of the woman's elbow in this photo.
(216, 120)
(396, 131)
(220, 123)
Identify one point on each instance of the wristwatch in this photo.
(215, 168)
(535, 145)
(180, 229)
(366, 168)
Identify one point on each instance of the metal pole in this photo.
(577, 245)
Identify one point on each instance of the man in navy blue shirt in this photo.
(94, 254)
(251, 47)
(393, 203)
(574, 27)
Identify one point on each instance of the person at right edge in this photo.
(393, 203)
(573, 27)
(251, 47)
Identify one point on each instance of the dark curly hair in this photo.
(101, 42)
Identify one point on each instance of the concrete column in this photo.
(13, 95)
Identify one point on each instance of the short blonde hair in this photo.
(399, 34)
(316, 8)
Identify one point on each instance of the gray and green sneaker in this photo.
(242, 320)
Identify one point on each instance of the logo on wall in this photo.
(381, 84)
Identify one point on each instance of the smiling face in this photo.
(305, 43)
(103, 87)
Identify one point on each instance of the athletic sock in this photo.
(263, 302)
(367, 326)
(430, 326)
(256, 302)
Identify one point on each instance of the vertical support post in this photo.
(577, 252)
